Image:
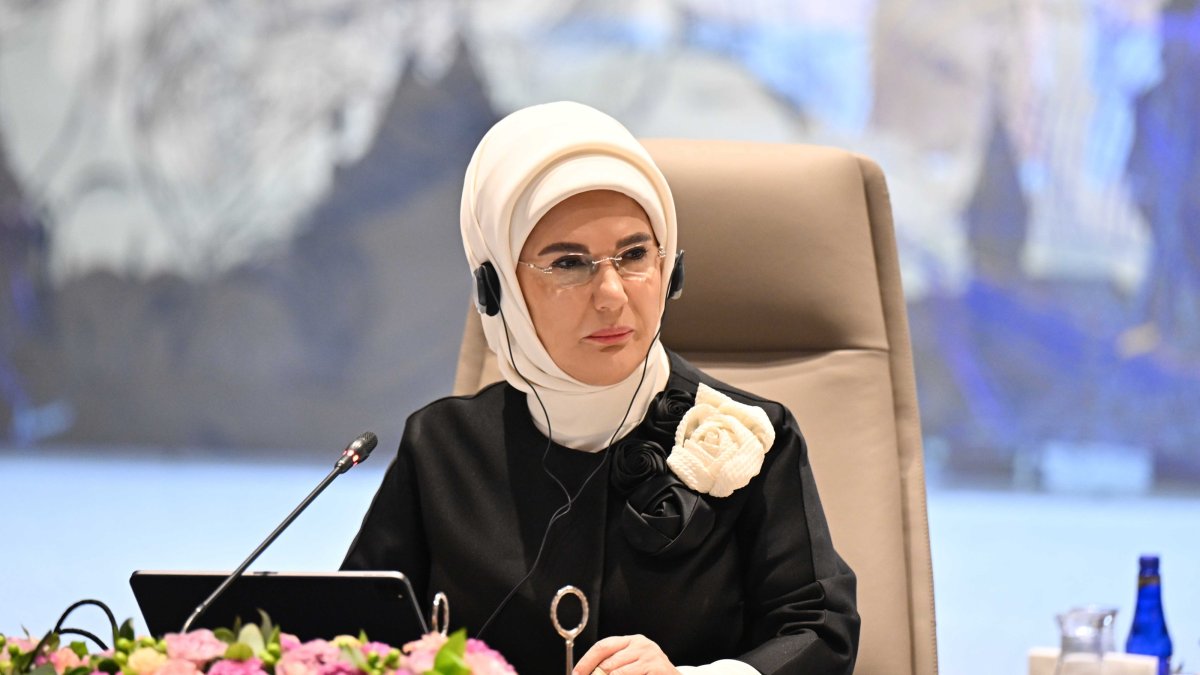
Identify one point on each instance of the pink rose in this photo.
(318, 652)
(178, 667)
(338, 668)
(419, 653)
(24, 645)
(288, 642)
(295, 667)
(306, 659)
(231, 667)
(420, 662)
(379, 648)
(198, 646)
(483, 660)
(65, 659)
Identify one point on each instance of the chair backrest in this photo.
(793, 293)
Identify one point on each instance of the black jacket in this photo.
(464, 509)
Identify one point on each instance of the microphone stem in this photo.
(337, 470)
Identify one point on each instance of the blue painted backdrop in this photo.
(230, 224)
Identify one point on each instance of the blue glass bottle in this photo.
(1148, 635)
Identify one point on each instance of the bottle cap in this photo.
(1148, 565)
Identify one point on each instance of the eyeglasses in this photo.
(577, 269)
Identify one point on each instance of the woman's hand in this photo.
(625, 655)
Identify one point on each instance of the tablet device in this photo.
(309, 605)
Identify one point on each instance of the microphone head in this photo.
(364, 444)
(358, 450)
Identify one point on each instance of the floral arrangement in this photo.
(717, 445)
(247, 650)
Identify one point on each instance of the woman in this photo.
(684, 509)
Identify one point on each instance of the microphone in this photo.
(358, 450)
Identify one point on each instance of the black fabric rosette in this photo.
(666, 410)
(661, 516)
(635, 462)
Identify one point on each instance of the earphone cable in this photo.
(562, 511)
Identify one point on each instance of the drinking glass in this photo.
(1087, 633)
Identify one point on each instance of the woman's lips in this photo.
(611, 336)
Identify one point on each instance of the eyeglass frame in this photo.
(595, 265)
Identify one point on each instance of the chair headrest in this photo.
(751, 215)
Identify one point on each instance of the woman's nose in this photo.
(609, 288)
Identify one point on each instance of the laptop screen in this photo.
(309, 605)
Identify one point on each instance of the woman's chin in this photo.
(608, 367)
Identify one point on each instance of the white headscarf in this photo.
(528, 162)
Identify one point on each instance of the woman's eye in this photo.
(635, 253)
(569, 262)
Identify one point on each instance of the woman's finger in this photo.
(600, 651)
(638, 656)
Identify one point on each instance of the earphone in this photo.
(675, 285)
(487, 289)
(487, 286)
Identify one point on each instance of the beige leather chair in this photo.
(793, 293)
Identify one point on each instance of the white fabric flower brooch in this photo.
(720, 443)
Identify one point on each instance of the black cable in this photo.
(562, 511)
(112, 620)
(59, 630)
(86, 634)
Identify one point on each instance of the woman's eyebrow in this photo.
(563, 247)
(633, 239)
(572, 247)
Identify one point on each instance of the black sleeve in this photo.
(392, 536)
(800, 594)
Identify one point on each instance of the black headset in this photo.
(487, 286)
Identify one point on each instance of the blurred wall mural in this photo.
(233, 223)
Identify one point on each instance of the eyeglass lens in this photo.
(577, 269)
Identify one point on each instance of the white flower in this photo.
(144, 661)
(720, 443)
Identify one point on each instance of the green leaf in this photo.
(449, 659)
(355, 657)
(109, 666)
(52, 642)
(362, 636)
(80, 649)
(225, 635)
(78, 670)
(126, 630)
(239, 651)
(22, 661)
(44, 669)
(265, 624)
(253, 637)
